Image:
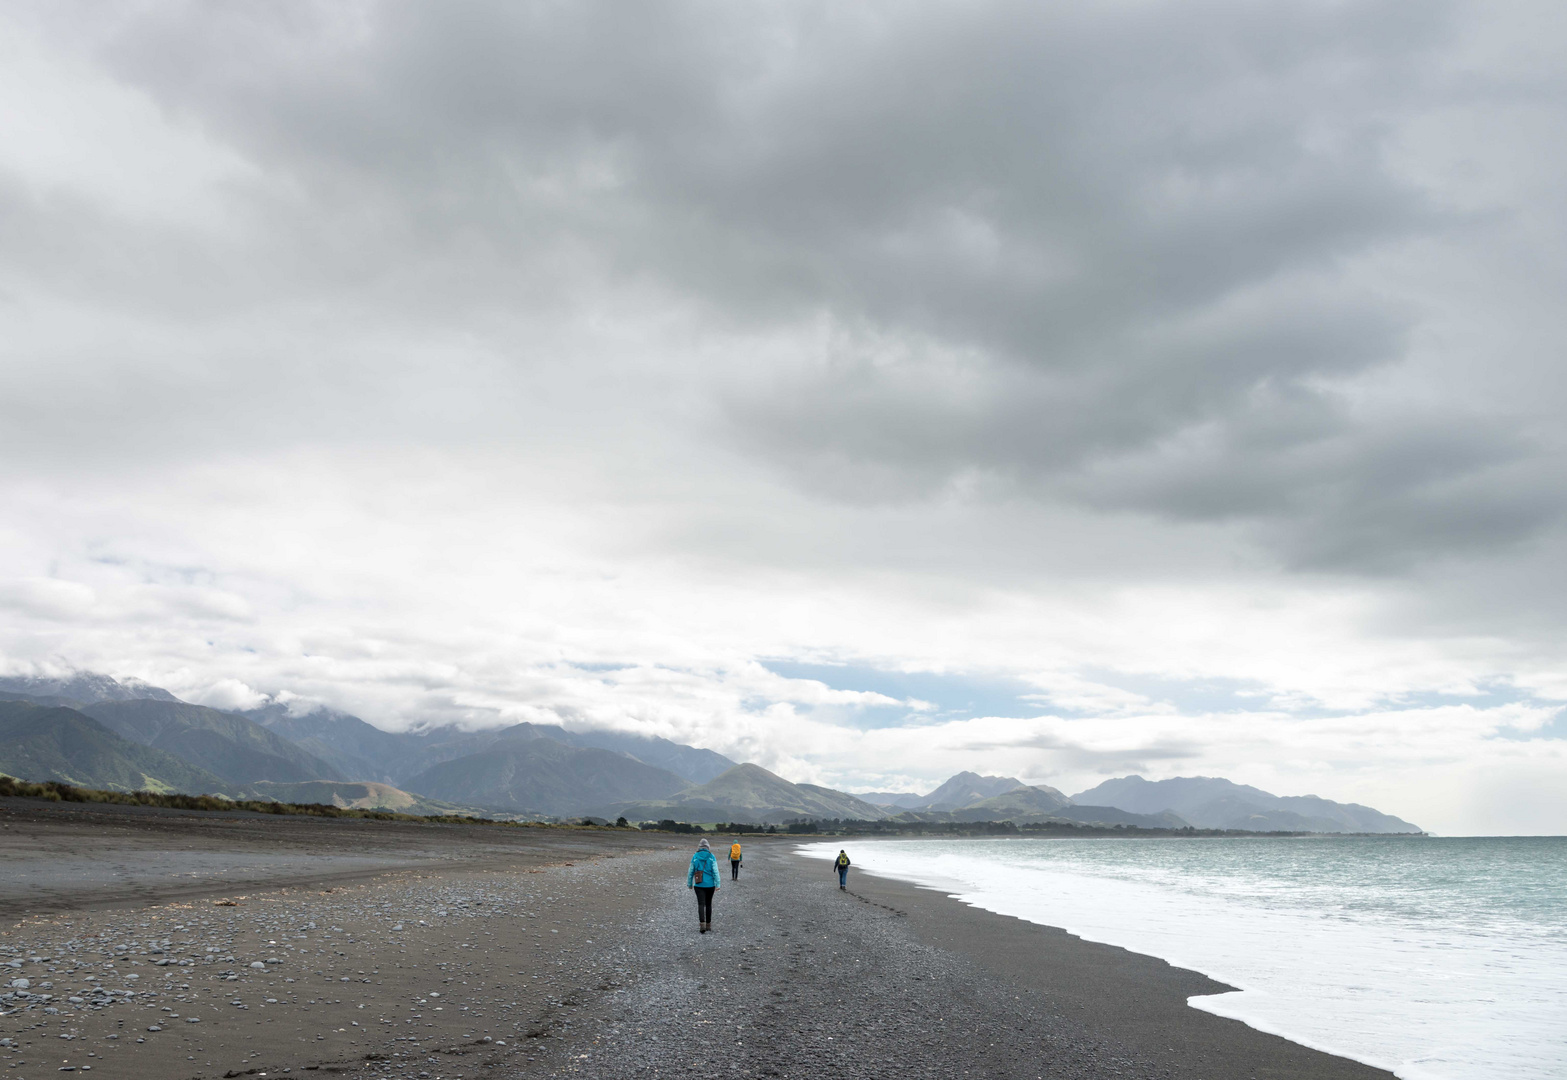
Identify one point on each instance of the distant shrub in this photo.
(670, 825)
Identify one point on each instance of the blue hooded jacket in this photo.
(703, 860)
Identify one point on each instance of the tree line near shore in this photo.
(93, 732)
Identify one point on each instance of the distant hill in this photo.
(1041, 803)
(351, 746)
(362, 750)
(844, 804)
(275, 744)
(225, 744)
(1215, 803)
(902, 800)
(692, 762)
(545, 776)
(355, 795)
(751, 794)
(1114, 815)
(42, 742)
(966, 789)
(1018, 804)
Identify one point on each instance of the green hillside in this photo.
(1018, 805)
(39, 742)
(225, 744)
(1111, 815)
(752, 794)
(545, 776)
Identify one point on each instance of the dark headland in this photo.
(190, 944)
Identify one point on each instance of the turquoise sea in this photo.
(1435, 958)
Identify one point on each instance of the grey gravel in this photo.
(799, 979)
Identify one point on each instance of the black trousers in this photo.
(734, 869)
(704, 902)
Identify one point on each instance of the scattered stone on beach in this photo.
(297, 967)
(798, 978)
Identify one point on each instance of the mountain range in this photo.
(51, 742)
(1210, 802)
(95, 731)
(223, 743)
(539, 772)
(1199, 801)
(121, 731)
(969, 797)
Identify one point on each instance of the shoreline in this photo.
(1142, 998)
(888, 979)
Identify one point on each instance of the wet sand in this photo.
(176, 944)
(1137, 1001)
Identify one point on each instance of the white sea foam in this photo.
(1438, 959)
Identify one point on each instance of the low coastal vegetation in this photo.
(55, 791)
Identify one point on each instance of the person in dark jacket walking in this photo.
(841, 864)
(734, 861)
(703, 878)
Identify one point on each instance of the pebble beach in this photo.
(168, 945)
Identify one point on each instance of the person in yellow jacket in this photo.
(734, 861)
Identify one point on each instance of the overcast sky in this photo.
(870, 391)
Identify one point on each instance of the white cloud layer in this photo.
(1192, 371)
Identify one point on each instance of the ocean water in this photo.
(1435, 958)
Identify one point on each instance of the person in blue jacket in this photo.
(703, 877)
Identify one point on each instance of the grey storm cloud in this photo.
(1072, 754)
(1096, 255)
